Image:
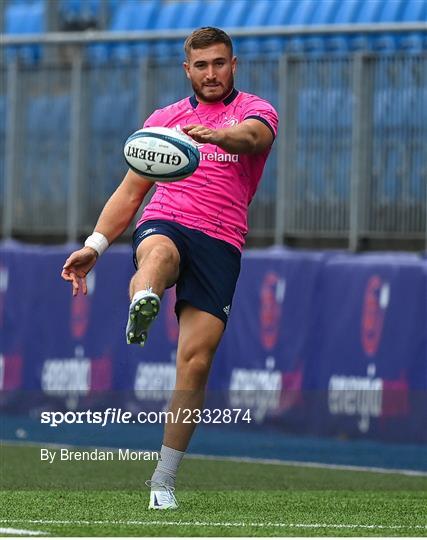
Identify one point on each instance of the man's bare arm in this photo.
(113, 221)
(122, 206)
(249, 137)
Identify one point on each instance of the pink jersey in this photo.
(216, 197)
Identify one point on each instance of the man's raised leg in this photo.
(158, 267)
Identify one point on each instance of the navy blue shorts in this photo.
(208, 271)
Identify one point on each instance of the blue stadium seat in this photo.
(256, 16)
(389, 183)
(259, 12)
(236, 16)
(69, 9)
(46, 116)
(417, 101)
(169, 15)
(112, 113)
(318, 176)
(308, 108)
(415, 111)
(3, 111)
(325, 115)
(35, 112)
(213, 13)
(303, 11)
(112, 96)
(414, 10)
(359, 43)
(345, 12)
(319, 108)
(369, 12)
(236, 13)
(323, 12)
(341, 107)
(280, 15)
(295, 45)
(191, 13)
(400, 120)
(129, 15)
(314, 45)
(418, 173)
(411, 43)
(77, 12)
(384, 43)
(262, 75)
(25, 18)
(392, 11)
(119, 107)
(145, 18)
(175, 15)
(385, 109)
(336, 45)
(2, 142)
(113, 6)
(399, 99)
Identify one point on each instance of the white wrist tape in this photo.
(97, 241)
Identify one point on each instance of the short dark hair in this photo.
(205, 37)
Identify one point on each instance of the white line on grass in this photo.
(260, 461)
(217, 524)
(310, 464)
(21, 532)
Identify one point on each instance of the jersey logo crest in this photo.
(230, 121)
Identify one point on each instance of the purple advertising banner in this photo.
(319, 343)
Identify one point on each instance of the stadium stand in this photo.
(325, 100)
(411, 43)
(52, 151)
(214, 13)
(257, 16)
(236, 13)
(24, 16)
(116, 124)
(42, 178)
(129, 15)
(76, 15)
(116, 92)
(2, 144)
(175, 15)
(399, 127)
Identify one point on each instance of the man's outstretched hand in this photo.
(202, 134)
(77, 266)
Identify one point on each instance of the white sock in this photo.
(167, 467)
(141, 294)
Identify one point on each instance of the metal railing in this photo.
(349, 163)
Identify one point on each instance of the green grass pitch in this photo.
(217, 498)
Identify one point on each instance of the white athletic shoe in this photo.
(142, 313)
(161, 496)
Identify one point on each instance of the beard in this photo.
(221, 91)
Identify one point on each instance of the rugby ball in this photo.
(161, 154)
